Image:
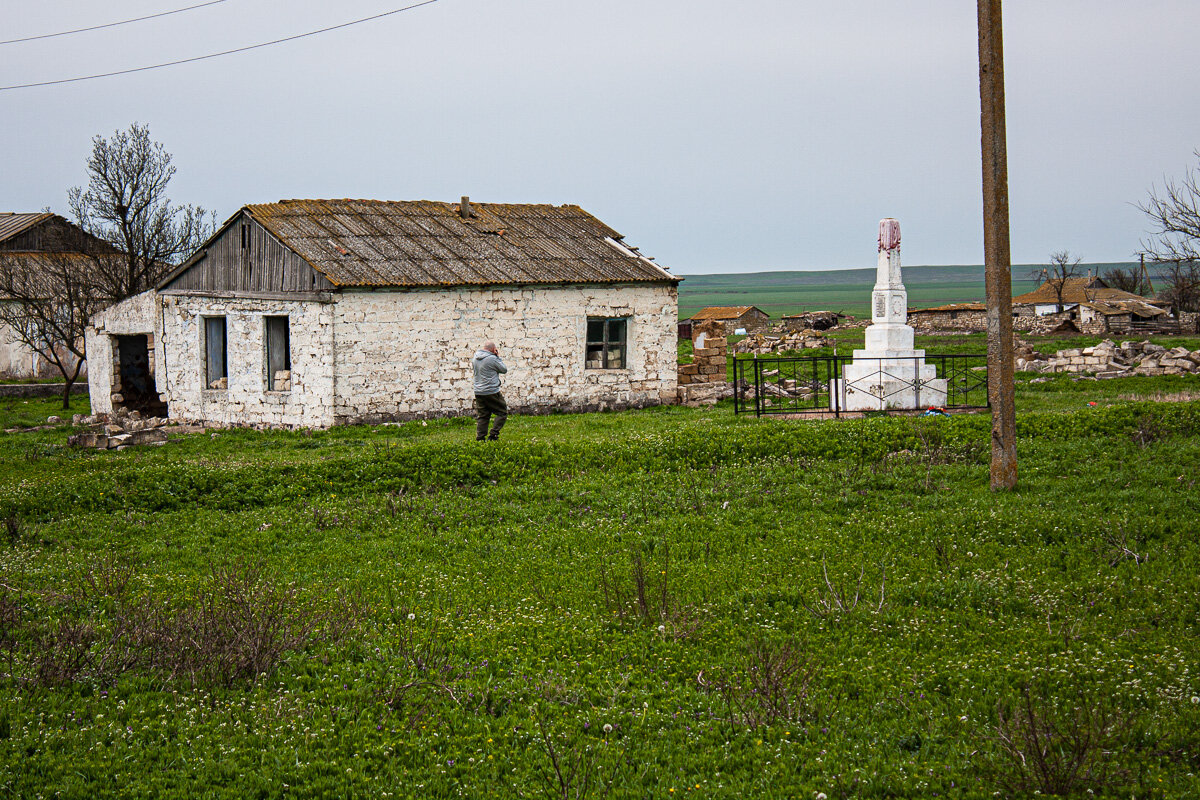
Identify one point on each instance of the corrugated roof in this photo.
(1139, 307)
(426, 243)
(12, 223)
(724, 312)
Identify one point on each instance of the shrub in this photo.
(1046, 747)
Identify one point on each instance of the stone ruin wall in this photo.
(706, 379)
(964, 322)
(137, 315)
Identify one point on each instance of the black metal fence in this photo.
(818, 385)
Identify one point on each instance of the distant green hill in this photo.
(846, 290)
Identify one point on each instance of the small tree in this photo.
(1061, 269)
(46, 298)
(125, 204)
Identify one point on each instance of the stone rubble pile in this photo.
(759, 344)
(125, 429)
(1111, 360)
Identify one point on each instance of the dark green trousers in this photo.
(485, 406)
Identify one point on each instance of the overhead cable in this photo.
(111, 24)
(216, 55)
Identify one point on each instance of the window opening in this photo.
(216, 372)
(279, 355)
(606, 341)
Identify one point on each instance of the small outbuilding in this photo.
(322, 312)
(751, 318)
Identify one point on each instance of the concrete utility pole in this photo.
(997, 260)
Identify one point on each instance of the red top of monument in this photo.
(889, 234)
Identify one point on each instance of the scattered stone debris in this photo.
(1111, 360)
(786, 388)
(122, 430)
(759, 344)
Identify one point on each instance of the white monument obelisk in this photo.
(888, 372)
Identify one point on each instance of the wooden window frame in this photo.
(607, 343)
(214, 372)
(268, 339)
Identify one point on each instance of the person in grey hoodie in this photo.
(488, 400)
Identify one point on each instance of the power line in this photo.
(222, 53)
(111, 24)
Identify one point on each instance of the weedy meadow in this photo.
(665, 603)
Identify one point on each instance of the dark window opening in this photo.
(606, 340)
(216, 375)
(279, 355)
(244, 237)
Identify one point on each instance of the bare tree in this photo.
(1175, 241)
(46, 298)
(1061, 269)
(1180, 285)
(1132, 280)
(125, 204)
(1175, 212)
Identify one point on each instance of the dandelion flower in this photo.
(411, 617)
(607, 728)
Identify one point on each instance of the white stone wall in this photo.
(309, 401)
(17, 359)
(403, 354)
(133, 315)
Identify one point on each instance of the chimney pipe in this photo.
(464, 208)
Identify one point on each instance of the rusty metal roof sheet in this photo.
(426, 243)
(726, 312)
(12, 223)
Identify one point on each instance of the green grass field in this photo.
(848, 291)
(664, 603)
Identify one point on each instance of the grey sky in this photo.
(717, 136)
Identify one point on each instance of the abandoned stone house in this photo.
(321, 312)
(31, 236)
(952, 317)
(750, 318)
(1086, 304)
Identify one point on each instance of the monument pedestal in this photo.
(888, 373)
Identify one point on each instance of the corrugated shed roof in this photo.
(12, 223)
(1138, 307)
(425, 243)
(725, 312)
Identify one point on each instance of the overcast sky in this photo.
(717, 136)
